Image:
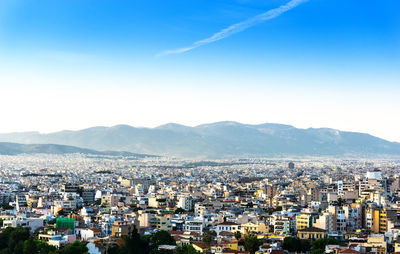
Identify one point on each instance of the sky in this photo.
(74, 64)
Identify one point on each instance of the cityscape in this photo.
(199, 127)
(225, 206)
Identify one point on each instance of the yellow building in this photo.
(200, 247)
(121, 229)
(397, 246)
(219, 247)
(253, 228)
(311, 233)
(376, 243)
(380, 220)
(303, 221)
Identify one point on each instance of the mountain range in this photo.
(216, 140)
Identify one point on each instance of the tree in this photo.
(293, 244)
(251, 243)
(19, 248)
(318, 246)
(237, 235)
(76, 247)
(6, 207)
(162, 237)
(17, 238)
(340, 201)
(52, 222)
(135, 244)
(44, 248)
(180, 210)
(19, 241)
(208, 237)
(186, 249)
(30, 246)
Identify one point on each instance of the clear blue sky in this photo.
(71, 64)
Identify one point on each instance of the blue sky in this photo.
(71, 64)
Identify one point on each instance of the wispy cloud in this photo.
(238, 27)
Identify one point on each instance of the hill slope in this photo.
(7, 148)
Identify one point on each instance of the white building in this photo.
(186, 203)
(194, 225)
(227, 226)
(32, 223)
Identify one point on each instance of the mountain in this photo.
(216, 140)
(7, 148)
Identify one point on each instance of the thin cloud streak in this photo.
(238, 27)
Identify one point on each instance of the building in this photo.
(32, 223)
(251, 227)
(110, 200)
(70, 187)
(89, 233)
(186, 203)
(227, 226)
(88, 196)
(194, 225)
(311, 233)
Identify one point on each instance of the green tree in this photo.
(180, 210)
(76, 247)
(340, 201)
(293, 244)
(251, 243)
(52, 222)
(161, 237)
(208, 237)
(44, 248)
(19, 241)
(133, 244)
(318, 246)
(186, 249)
(238, 235)
(16, 239)
(30, 247)
(19, 248)
(61, 213)
(7, 207)
(4, 236)
(317, 251)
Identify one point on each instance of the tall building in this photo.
(186, 203)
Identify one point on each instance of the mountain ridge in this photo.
(216, 140)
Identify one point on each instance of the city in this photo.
(199, 127)
(213, 206)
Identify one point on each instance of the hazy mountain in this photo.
(216, 140)
(7, 148)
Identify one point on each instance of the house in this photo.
(227, 226)
(89, 233)
(311, 233)
(200, 247)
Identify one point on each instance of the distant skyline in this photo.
(74, 64)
